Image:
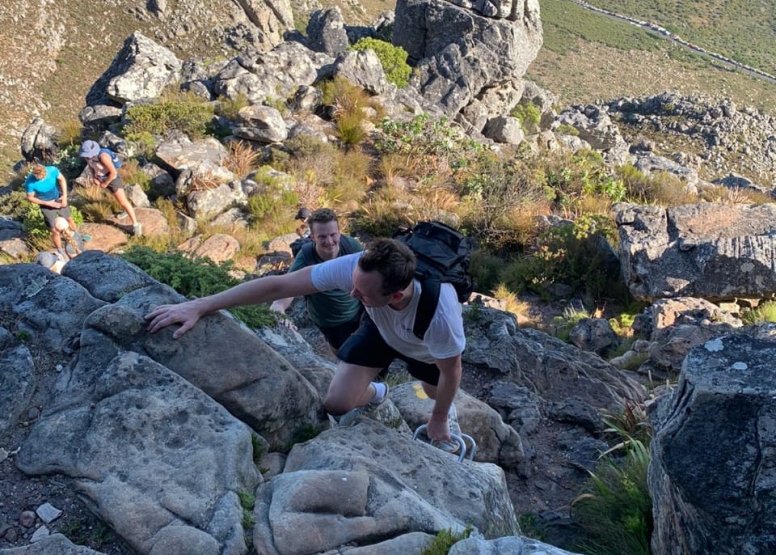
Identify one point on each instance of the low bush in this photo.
(529, 115)
(580, 255)
(393, 59)
(196, 277)
(185, 112)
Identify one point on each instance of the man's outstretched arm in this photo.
(256, 291)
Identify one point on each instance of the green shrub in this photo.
(766, 312)
(229, 107)
(577, 255)
(529, 115)
(566, 129)
(185, 113)
(393, 59)
(16, 206)
(428, 145)
(444, 540)
(196, 277)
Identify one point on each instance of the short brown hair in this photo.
(39, 171)
(393, 260)
(321, 216)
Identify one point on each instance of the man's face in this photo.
(368, 288)
(326, 237)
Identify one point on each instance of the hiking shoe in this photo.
(137, 230)
(349, 418)
(84, 237)
(121, 215)
(455, 430)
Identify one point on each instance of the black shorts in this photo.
(115, 185)
(337, 335)
(366, 347)
(50, 214)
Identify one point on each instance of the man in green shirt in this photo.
(334, 312)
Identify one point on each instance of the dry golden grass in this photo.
(242, 159)
(309, 191)
(96, 204)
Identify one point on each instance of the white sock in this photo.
(380, 391)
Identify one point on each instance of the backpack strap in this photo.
(308, 253)
(427, 305)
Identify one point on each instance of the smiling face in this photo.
(326, 237)
(368, 288)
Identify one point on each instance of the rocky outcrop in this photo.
(712, 472)
(714, 251)
(460, 51)
(129, 407)
(726, 137)
(141, 69)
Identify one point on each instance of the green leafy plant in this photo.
(393, 59)
(578, 254)
(614, 510)
(427, 144)
(529, 115)
(229, 107)
(196, 277)
(186, 113)
(247, 502)
(444, 540)
(766, 312)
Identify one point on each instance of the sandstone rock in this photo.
(713, 251)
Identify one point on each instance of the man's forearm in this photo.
(446, 390)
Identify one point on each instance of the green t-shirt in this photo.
(328, 309)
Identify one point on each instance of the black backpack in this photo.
(443, 256)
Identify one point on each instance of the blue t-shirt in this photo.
(46, 188)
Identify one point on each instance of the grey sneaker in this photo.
(455, 430)
(137, 230)
(121, 215)
(350, 417)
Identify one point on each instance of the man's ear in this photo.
(396, 297)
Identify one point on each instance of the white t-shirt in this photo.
(444, 338)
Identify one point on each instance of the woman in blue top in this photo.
(41, 187)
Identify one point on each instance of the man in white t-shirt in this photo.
(382, 278)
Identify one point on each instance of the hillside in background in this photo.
(56, 52)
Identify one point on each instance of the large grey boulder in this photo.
(326, 31)
(262, 124)
(271, 75)
(712, 476)
(39, 141)
(48, 307)
(595, 126)
(552, 368)
(157, 459)
(714, 251)
(461, 50)
(53, 544)
(141, 69)
(505, 546)
(17, 379)
(367, 482)
(271, 17)
(364, 69)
